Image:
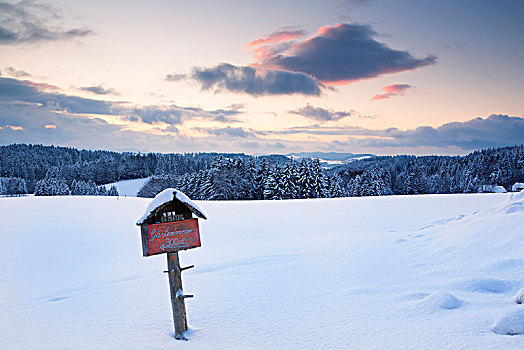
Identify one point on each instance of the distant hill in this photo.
(331, 159)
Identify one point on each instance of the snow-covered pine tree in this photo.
(334, 187)
(273, 188)
(353, 187)
(269, 185)
(51, 187)
(260, 179)
(200, 180)
(207, 191)
(319, 179)
(74, 188)
(12, 186)
(289, 180)
(16, 186)
(305, 182)
(183, 183)
(113, 191)
(101, 191)
(251, 174)
(222, 179)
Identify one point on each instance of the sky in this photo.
(361, 76)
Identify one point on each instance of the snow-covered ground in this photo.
(128, 188)
(399, 272)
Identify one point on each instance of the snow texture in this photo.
(519, 297)
(393, 272)
(128, 188)
(441, 300)
(167, 196)
(510, 322)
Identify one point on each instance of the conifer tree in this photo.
(113, 191)
(51, 187)
(260, 180)
(289, 180)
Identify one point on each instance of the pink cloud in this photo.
(40, 86)
(392, 90)
(338, 54)
(273, 44)
(279, 36)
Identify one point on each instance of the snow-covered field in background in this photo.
(128, 188)
(399, 272)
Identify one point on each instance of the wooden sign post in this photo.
(168, 226)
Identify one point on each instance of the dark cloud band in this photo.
(255, 81)
(45, 96)
(494, 131)
(99, 90)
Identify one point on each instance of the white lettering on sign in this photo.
(175, 243)
(167, 233)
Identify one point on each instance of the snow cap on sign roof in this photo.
(167, 196)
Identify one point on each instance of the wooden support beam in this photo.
(183, 296)
(187, 267)
(177, 295)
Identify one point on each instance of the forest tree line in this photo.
(434, 174)
(214, 176)
(235, 179)
(33, 163)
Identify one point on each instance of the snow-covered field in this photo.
(128, 188)
(400, 272)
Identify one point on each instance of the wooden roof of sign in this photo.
(165, 197)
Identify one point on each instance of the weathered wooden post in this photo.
(168, 226)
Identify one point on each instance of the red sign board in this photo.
(172, 236)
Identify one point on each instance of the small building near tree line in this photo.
(517, 187)
(491, 189)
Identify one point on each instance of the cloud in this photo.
(17, 73)
(174, 114)
(355, 2)
(24, 91)
(255, 81)
(351, 3)
(278, 145)
(41, 125)
(98, 90)
(154, 114)
(248, 144)
(30, 123)
(274, 43)
(392, 90)
(30, 21)
(28, 92)
(322, 130)
(286, 63)
(497, 130)
(342, 53)
(320, 114)
(227, 131)
(279, 36)
(175, 77)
